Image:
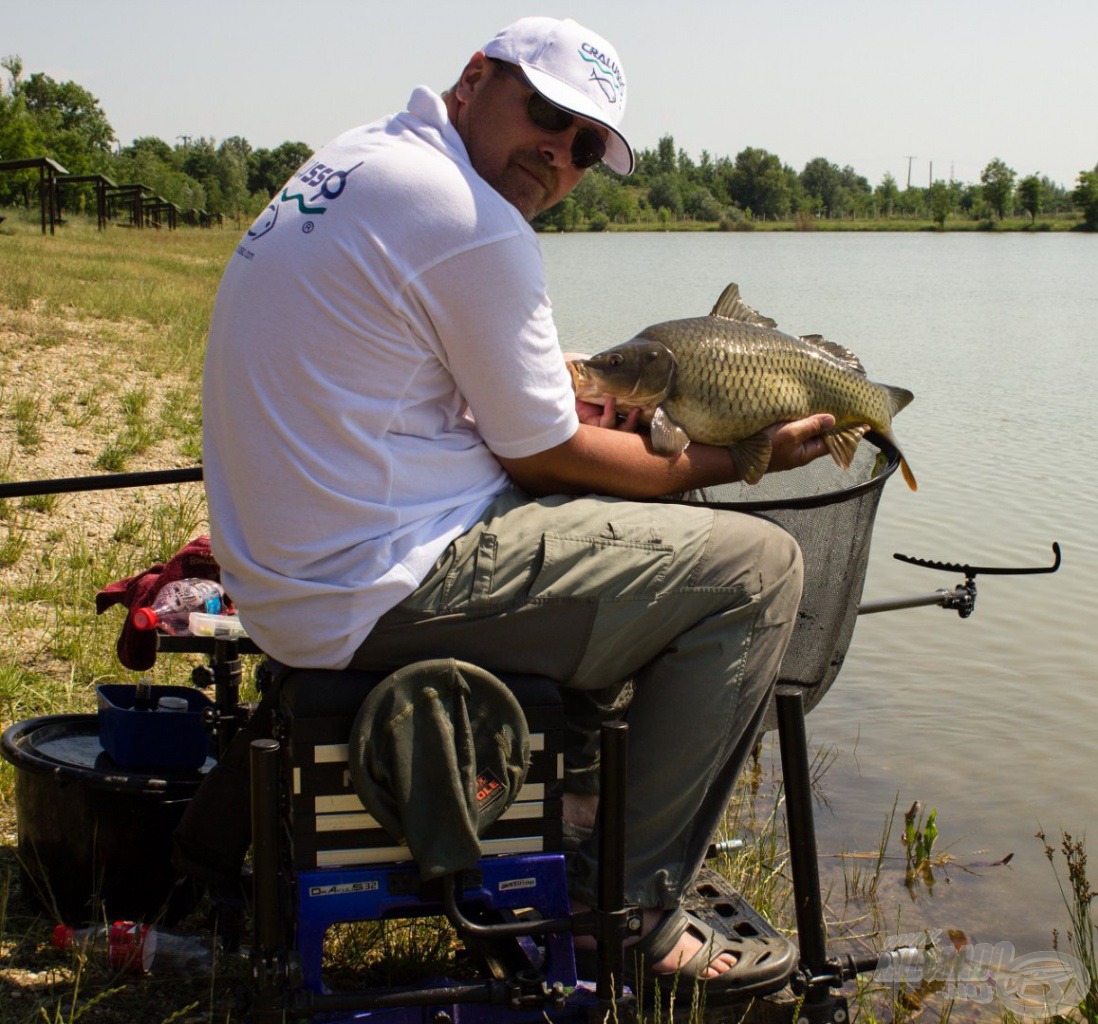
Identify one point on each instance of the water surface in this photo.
(992, 720)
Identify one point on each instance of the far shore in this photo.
(1011, 224)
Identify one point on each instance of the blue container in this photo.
(153, 739)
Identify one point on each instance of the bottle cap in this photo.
(62, 936)
(173, 704)
(144, 618)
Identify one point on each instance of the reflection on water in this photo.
(992, 720)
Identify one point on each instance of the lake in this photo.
(992, 720)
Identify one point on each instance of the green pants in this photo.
(695, 606)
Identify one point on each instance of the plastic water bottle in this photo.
(140, 948)
(143, 695)
(174, 603)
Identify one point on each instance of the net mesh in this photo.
(830, 513)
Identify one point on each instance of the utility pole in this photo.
(186, 140)
(909, 159)
(930, 180)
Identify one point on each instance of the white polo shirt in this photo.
(385, 293)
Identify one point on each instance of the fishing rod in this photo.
(962, 598)
(101, 482)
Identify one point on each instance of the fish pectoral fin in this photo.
(751, 456)
(843, 443)
(668, 438)
(731, 307)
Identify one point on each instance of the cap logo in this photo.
(604, 72)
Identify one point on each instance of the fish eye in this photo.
(617, 359)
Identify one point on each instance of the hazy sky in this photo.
(956, 82)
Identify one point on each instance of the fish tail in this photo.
(909, 477)
(905, 469)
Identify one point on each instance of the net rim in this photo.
(883, 443)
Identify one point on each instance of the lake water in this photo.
(992, 720)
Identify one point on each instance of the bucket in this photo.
(95, 838)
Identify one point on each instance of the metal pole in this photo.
(613, 752)
(266, 904)
(793, 742)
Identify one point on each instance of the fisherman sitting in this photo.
(397, 468)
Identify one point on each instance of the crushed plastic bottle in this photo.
(140, 948)
(172, 607)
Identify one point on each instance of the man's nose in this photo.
(556, 147)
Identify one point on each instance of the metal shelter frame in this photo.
(48, 173)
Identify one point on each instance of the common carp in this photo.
(722, 379)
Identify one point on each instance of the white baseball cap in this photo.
(574, 68)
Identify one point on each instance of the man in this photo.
(385, 399)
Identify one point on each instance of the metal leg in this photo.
(817, 976)
(268, 958)
(614, 741)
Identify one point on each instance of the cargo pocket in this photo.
(471, 577)
(600, 568)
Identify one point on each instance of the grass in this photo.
(101, 342)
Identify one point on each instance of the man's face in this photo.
(531, 168)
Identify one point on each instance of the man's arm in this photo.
(621, 463)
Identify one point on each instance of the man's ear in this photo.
(475, 74)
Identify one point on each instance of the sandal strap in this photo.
(662, 939)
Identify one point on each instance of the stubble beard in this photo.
(527, 182)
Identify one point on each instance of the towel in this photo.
(137, 648)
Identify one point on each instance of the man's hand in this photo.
(798, 442)
(606, 416)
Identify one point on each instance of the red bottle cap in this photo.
(144, 618)
(62, 936)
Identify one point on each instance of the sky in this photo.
(918, 88)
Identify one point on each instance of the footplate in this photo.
(765, 959)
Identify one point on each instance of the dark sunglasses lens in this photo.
(547, 116)
(587, 149)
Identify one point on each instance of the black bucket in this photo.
(95, 838)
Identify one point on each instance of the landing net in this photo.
(830, 512)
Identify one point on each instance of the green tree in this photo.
(998, 182)
(823, 181)
(941, 201)
(270, 169)
(758, 183)
(1031, 193)
(665, 193)
(888, 195)
(75, 131)
(20, 135)
(666, 158)
(1085, 198)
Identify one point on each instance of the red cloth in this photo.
(136, 647)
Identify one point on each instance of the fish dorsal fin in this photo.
(836, 351)
(731, 307)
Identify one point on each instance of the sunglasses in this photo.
(588, 148)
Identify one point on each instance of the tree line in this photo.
(42, 117)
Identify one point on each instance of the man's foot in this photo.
(691, 941)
